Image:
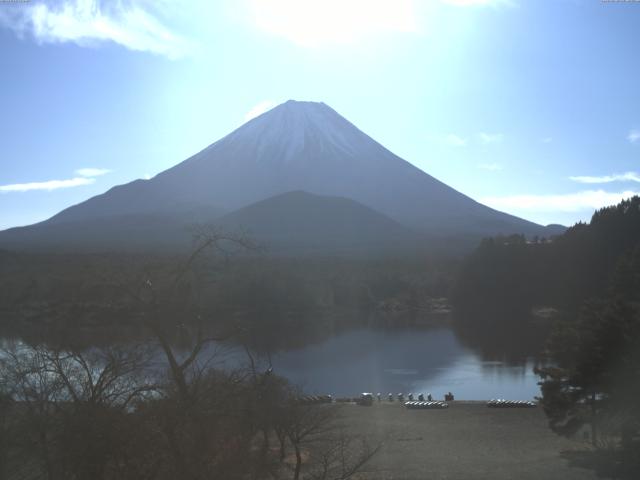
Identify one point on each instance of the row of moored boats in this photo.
(501, 403)
(426, 405)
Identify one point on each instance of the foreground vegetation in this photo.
(591, 276)
(274, 302)
(70, 411)
(136, 412)
(107, 415)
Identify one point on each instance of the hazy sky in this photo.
(530, 106)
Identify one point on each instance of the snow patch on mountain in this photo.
(292, 127)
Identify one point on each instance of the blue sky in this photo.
(532, 107)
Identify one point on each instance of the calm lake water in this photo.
(417, 360)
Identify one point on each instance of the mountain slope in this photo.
(127, 232)
(297, 146)
(293, 222)
(303, 146)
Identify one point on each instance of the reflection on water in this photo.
(418, 360)
(414, 360)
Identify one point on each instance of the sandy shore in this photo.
(466, 441)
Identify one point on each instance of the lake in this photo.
(409, 360)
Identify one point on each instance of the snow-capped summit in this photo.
(293, 130)
(284, 132)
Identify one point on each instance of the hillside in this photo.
(297, 146)
(507, 276)
(296, 219)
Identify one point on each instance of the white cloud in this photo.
(488, 138)
(616, 177)
(634, 136)
(90, 22)
(92, 172)
(312, 23)
(259, 109)
(48, 185)
(490, 166)
(454, 140)
(570, 202)
(546, 140)
(85, 176)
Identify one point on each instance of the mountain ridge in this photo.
(298, 146)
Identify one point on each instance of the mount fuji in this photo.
(302, 147)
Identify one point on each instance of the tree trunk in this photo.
(283, 448)
(594, 430)
(180, 463)
(45, 454)
(265, 443)
(296, 474)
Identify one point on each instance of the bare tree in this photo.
(317, 435)
(172, 302)
(71, 405)
(342, 457)
(24, 374)
(308, 423)
(195, 396)
(6, 404)
(106, 414)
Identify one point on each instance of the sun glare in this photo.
(320, 22)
